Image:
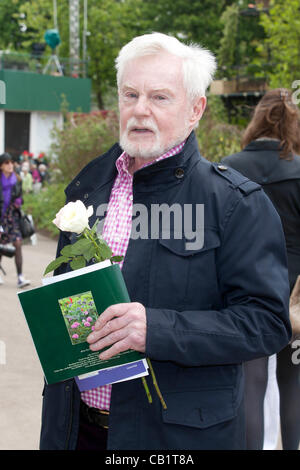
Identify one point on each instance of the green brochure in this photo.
(61, 315)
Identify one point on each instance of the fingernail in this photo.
(90, 338)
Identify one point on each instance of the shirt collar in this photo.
(122, 163)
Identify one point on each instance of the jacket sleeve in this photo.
(253, 283)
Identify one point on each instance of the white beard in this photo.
(146, 150)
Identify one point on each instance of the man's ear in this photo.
(198, 108)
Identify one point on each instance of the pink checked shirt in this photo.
(116, 232)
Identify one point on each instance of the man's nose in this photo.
(142, 106)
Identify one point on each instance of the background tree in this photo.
(197, 21)
(219, 26)
(111, 25)
(38, 17)
(11, 24)
(242, 33)
(228, 42)
(279, 53)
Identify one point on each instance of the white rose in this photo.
(73, 217)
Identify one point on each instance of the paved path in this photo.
(21, 377)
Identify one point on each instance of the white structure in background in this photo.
(41, 124)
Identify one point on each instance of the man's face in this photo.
(155, 113)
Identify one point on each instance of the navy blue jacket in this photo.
(208, 310)
(280, 179)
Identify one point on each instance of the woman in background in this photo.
(271, 143)
(10, 202)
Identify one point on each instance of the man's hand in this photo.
(123, 326)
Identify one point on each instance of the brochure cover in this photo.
(61, 315)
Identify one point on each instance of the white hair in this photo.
(199, 64)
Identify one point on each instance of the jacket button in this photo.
(86, 196)
(179, 173)
(77, 183)
(222, 167)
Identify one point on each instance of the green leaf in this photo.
(90, 252)
(67, 250)
(78, 262)
(55, 264)
(116, 259)
(81, 246)
(103, 249)
(94, 227)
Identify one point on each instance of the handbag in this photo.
(295, 309)
(7, 250)
(26, 225)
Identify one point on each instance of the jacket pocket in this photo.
(199, 408)
(185, 277)
(185, 247)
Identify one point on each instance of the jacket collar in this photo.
(263, 145)
(260, 161)
(170, 171)
(99, 175)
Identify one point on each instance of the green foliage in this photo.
(10, 24)
(44, 205)
(228, 43)
(83, 138)
(215, 136)
(39, 18)
(242, 33)
(112, 25)
(279, 53)
(88, 245)
(197, 21)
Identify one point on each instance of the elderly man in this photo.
(207, 294)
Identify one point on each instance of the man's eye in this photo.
(131, 95)
(160, 97)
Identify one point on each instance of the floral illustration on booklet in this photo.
(80, 314)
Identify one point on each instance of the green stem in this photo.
(88, 236)
(156, 385)
(147, 389)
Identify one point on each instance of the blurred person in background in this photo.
(43, 171)
(27, 179)
(17, 167)
(271, 143)
(36, 177)
(10, 203)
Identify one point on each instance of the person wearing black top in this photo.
(269, 157)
